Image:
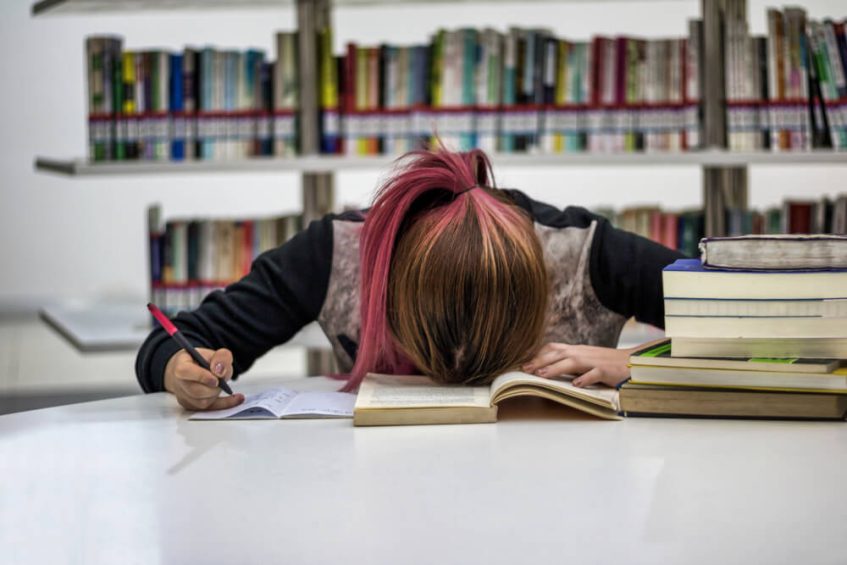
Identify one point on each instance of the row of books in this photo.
(757, 328)
(204, 103)
(523, 90)
(684, 230)
(189, 258)
(785, 91)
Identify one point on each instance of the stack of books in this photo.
(757, 328)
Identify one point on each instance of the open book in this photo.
(389, 400)
(285, 403)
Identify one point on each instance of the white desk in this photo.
(131, 481)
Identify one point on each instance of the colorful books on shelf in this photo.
(786, 90)
(522, 91)
(202, 103)
(519, 90)
(684, 230)
(190, 258)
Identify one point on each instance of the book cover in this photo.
(650, 400)
(832, 348)
(835, 382)
(778, 252)
(687, 278)
(659, 355)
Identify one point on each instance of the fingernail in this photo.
(219, 369)
(541, 372)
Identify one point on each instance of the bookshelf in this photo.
(724, 173)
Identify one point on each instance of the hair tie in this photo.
(473, 186)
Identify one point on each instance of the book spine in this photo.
(155, 239)
(330, 125)
(143, 100)
(467, 130)
(163, 137)
(98, 118)
(176, 101)
(189, 87)
(129, 104)
(351, 142)
(509, 91)
(285, 95)
(119, 122)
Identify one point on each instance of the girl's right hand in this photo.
(196, 388)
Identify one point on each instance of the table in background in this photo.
(130, 480)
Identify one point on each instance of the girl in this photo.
(445, 275)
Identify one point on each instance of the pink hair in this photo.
(419, 173)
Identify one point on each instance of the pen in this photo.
(180, 339)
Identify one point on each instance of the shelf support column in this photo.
(723, 187)
(318, 188)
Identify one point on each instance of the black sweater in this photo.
(601, 277)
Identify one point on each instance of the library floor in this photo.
(38, 368)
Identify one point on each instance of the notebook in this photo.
(283, 403)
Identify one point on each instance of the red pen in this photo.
(180, 339)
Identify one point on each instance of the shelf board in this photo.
(71, 7)
(321, 164)
(123, 326)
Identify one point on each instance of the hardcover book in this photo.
(651, 400)
(687, 278)
(834, 348)
(729, 378)
(782, 252)
(659, 355)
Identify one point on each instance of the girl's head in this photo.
(452, 273)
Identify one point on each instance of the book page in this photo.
(600, 394)
(320, 405)
(402, 391)
(267, 404)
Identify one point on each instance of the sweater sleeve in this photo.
(626, 273)
(283, 292)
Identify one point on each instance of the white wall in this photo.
(66, 238)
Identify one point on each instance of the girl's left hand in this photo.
(592, 364)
